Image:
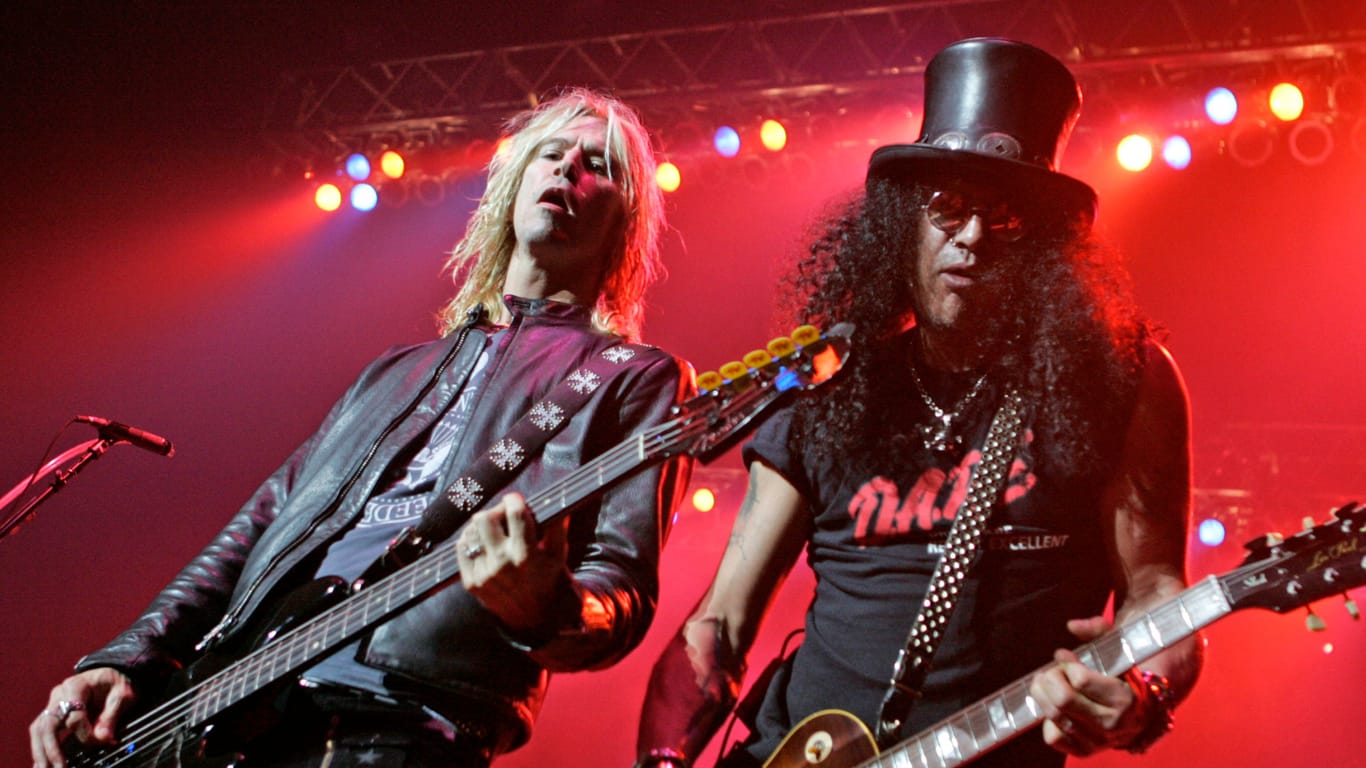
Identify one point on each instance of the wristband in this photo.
(1160, 704)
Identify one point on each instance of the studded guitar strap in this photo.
(964, 540)
(496, 466)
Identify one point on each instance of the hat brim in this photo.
(1028, 182)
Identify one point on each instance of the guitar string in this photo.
(170, 715)
(167, 716)
(1168, 616)
(176, 711)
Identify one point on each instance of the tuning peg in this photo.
(1352, 608)
(1307, 522)
(1274, 539)
(758, 359)
(737, 373)
(1313, 622)
(781, 347)
(709, 381)
(806, 335)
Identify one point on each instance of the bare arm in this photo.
(696, 680)
(1151, 503)
(1147, 509)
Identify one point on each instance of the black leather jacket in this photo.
(446, 647)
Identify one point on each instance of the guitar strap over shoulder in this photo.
(498, 463)
(960, 549)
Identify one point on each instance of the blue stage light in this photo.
(1221, 106)
(358, 167)
(364, 197)
(727, 141)
(1211, 532)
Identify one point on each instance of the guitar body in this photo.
(831, 738)
(1279, 574)
(215, 743)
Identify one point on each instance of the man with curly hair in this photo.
(969, 266)
(552, 271)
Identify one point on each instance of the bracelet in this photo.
(663, 756)
(1161, 704)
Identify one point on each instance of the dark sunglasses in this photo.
(949, 212)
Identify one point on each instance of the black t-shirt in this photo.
(875, 543)
(404, 495)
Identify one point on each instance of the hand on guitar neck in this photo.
(1279, 574)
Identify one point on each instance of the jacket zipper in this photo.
(230, 618)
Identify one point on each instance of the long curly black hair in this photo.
(1071, 336)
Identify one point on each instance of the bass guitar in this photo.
(1279, 574)
(181, 730)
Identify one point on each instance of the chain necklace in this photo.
(939, 436)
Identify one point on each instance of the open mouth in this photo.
(555, 198)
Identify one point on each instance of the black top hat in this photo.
(996, 110)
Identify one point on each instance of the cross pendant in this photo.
(939, 437)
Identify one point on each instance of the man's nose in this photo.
(570, 164)
(972, 232)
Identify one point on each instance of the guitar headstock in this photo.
(733, 397)
(1282, 574)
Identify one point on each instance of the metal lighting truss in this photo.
(1114, 47)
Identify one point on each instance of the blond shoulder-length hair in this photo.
(479, 262)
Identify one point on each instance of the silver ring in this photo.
(474, 550)
(66, 707)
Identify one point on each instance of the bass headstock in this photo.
(732, 398)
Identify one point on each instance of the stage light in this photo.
(357, 167)
(1311, 142)
(1211, 532)
(1221, 106)
(1347, 95)
(1134, 153)
(704, 499)
(726, 141)
(1286, 102)
(391, 164)
(327, 197)
(1358, 138)
(396, 193)
(1176, 152)
(429, 190)
(1251, 144)
(364, 197)
(773, 135)
(668, 177)
(755, 171)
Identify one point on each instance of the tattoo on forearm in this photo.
(737, 539)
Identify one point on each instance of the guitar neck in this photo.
(346, 621)
(1010, 711)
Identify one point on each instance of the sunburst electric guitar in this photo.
(201, 725)
(1278, 574)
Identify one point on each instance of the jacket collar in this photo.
(547, 310)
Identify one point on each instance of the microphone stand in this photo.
(87, 451)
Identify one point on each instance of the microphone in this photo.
(112, 430)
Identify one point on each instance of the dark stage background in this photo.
(153, 271)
